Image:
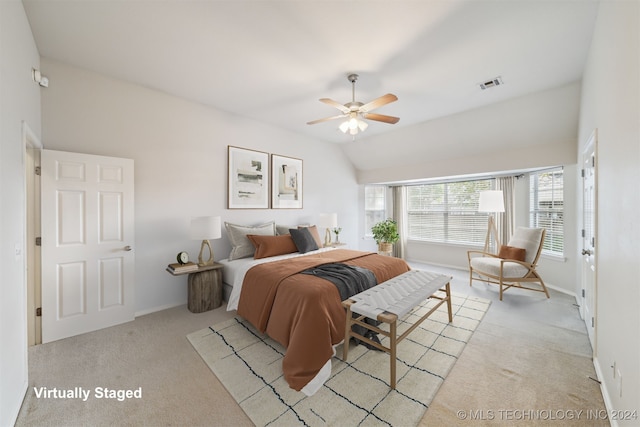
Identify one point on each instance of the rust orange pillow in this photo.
(267, 246)
(511, 252)
(315, 234)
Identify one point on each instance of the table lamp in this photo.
(205, 228)
(329, 221)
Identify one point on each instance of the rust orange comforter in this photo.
(303, 312)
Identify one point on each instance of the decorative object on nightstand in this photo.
(491, 202)
(182, 267)
(337, 231)
(328, 221)
(205, 228)
(385, 233)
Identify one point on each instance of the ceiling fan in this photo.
(354, 112)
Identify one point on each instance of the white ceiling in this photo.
(272, 60)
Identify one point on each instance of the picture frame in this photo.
(286, 182)
(248, 178)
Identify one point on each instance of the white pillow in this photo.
(241, 246)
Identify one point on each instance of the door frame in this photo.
(591, 323)
(32, 146)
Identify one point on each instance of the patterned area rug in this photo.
(249, 364)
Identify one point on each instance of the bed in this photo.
(300, 311)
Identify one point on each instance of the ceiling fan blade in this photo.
(378, 102)
(335, 104)
(381, 118)
(326, 119)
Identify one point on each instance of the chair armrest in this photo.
(471, 254)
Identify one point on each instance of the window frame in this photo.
(451, 229)
(544, 218)
(384, 210)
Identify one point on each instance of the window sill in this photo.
(556, 258)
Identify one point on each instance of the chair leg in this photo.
(501, 289)
(470, 276)
(543, 286)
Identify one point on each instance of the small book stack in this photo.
(182, 268)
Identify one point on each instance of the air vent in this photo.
(491, 83)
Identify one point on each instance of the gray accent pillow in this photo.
(241, 246)
(303, 239)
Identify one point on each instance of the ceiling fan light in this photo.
(362, 125)
(344, 126)
(353, 123)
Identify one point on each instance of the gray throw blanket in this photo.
(349, 280)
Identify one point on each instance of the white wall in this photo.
(536, 130)
(19, 101)
(611, 103)
(533, 131)
(180, 154)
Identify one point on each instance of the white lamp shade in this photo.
(328, 220)
(491, 201)
(205, 228)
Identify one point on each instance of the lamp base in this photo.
(491, 230)
(201, 261)
(327, 237)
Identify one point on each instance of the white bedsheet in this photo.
(234, 271)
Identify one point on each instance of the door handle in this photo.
(586, 252)
(128, 248)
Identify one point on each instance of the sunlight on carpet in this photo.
(249, 364)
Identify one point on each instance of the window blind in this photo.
(447, 212)
(546, 192)
(374, 206)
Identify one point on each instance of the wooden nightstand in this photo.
(205, 287)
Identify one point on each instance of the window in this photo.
(447, 212)
(546, 192)
(374, 206)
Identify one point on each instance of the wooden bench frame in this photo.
(392, 320)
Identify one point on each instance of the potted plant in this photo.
(385, 233)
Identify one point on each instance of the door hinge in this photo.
(583, 232)
(593, 322)
(593, 242)
(582, 173)
(39, 312)
(583, 293)
(38, 170)
(38, 241)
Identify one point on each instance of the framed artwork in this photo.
(248, 181)
(286, 181)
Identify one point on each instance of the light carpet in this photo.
(249, 364)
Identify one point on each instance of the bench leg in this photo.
(347, 335)
(392, 348)
(448, 292)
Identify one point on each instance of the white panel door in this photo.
(589, 204)
(87, 240)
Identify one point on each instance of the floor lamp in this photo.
(491, 202)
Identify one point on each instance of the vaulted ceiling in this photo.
(272, 60)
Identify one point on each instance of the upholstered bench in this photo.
(390, 301)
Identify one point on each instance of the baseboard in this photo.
(159, 308)
(561, 290)
(22, 392)
(605, 393)
(466, 269)
(452, 267)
